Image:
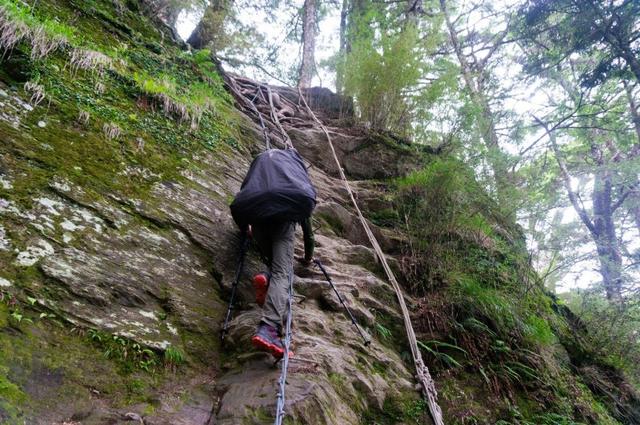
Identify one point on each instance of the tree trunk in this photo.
(307, 67)
(342, 52)
(605, 236)
(210, 30)
(170, 16)
(601, 227)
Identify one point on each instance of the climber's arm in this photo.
(307, 232)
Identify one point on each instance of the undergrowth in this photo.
(406, 409)
(483, 311)
(130, 355)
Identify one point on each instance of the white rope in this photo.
(282, 383)
(422, 372)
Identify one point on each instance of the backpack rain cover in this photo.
(276, 188)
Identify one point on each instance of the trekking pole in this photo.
(282, 383)
(243, 251)
(367, 342)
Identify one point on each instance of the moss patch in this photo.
(406, 409)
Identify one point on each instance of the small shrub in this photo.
(442, 207)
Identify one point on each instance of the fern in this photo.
(443, 357)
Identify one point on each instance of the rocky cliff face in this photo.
(118, 249)
(120, 154)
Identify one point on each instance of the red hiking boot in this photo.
(261, 285)
(267, 339)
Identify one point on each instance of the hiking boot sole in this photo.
(264, 345)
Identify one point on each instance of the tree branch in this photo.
(573, 197)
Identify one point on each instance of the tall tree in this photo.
(475, 52)
(634, 199)
(590, 125)
(308, 63)
(388, 65)
(589, 50)
(343, 48)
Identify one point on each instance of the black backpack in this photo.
(276, 188)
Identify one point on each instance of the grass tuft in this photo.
(90, 60)
(173, 357)
(111, 131)
(18, 23)
(37, 92)
(130, 355)
(83, 117)
(187, 104)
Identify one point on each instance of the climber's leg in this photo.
(264, 240)
(275, 308)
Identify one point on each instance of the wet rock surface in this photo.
(331, 364)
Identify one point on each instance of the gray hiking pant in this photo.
(276, 244)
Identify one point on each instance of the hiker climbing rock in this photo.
(275, 195)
